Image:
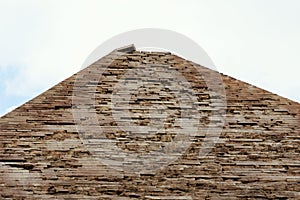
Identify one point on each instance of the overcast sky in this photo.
(44, 42)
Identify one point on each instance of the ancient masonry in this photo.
(257, 155)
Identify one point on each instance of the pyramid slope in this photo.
(257, 155)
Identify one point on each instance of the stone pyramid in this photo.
(52, 147)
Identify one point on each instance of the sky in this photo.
(44, 42)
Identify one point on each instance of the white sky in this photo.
(44, 42)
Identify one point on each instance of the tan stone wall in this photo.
(256, 156)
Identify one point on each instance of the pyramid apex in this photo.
(126, 49)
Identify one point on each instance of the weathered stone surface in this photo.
(256, 157)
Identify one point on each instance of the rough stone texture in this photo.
(256, 157)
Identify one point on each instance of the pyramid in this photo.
(91, 136)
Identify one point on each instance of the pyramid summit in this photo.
(134, 125)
